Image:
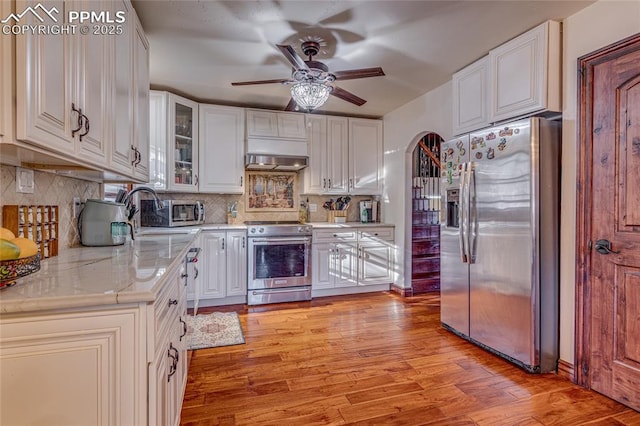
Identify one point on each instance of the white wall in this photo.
(402, 128)
(594, 27)
(597, 26)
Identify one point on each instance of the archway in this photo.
(424, 222)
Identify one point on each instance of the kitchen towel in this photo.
(212, 330)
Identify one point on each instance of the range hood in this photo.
(275, 162)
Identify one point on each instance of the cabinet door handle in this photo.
(196, 275)
(242, 242)
(138, 157)
(196, 181)
(174, 364)
(135, 155)
(241, 177)
(350, 182)
(79, 111)
(223, 244)
(324, 183)
(329, 183)
(86, 126)
(184, 328)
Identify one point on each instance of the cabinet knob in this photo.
(173, 302)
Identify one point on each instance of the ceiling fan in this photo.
(315, 76)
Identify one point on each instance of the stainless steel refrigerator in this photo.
(500, 240)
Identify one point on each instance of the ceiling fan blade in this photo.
(291, 55)
(347, 96)
(291, 106)
(359, 73)
(246, 83)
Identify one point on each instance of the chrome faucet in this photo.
(127, 198)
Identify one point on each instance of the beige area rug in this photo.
(212, 330)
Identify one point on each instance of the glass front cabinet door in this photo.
(183, 115)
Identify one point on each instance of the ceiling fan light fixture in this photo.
(310, 95)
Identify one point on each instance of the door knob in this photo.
(604, 247)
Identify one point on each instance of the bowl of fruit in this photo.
(19, 257)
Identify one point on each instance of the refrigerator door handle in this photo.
(473, 214)
(462, 214)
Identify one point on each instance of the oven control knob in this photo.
(261, 230)
(253, 230)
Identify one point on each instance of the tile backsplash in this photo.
(60, 190)
(50, 189)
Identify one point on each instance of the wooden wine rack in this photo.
(37, 223)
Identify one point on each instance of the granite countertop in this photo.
(96, 276)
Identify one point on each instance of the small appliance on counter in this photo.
(103, 223)
(173, 213)
(369, 211)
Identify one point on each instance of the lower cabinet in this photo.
(109, 365)
(352, 257)
(169, 366)
(223, 268)
(79, 368)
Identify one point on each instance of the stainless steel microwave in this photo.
(174, 213)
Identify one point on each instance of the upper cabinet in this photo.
(525, 73)
(328, 155)
(470, 97)
(365, 156)
(277, 125)
(521, 77)
(221, 149)
(345, 156)
(173, 131)
(129, 152)
(195, 147)
(77, 95)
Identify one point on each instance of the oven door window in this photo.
(280, 260)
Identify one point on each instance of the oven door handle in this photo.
(281, 240)
(284, 290)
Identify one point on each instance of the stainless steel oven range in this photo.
(279, 262)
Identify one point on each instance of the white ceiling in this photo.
(197, 48)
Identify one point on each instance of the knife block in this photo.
(336, 216)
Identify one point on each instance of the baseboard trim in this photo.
(566, 370)
(402, 291)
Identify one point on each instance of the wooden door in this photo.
(608, 305)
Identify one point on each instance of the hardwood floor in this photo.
(374, 359)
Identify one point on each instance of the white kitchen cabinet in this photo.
(123, 153)
(86, 367)
(471, 97)
(141, 102)
(345, 156)
(334, 265)
(69, 113)
(214, 265)
(221, 151)
(328, 155)
(365, 156)
(83, 111)
(353, 256)
(174, 147)
(168, 368)
(7, 74)
(525, 73)
(224, 267)
(376, 255)
(277, 125)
